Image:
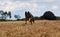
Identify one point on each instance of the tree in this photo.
(49, 15)
(1, 12)
(9, 14)
(17, 17)
(5, 15)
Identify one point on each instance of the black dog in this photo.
(29, 17)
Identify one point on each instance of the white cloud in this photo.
(55, 7)
(48, 0)
(38, 0)
(18, 5)
(11, 6)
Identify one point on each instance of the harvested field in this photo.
(41, 28)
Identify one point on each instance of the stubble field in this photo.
(41, 28)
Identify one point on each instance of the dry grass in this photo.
(42, 28)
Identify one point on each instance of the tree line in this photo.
(48, 15)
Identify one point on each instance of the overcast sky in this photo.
(36, 7)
